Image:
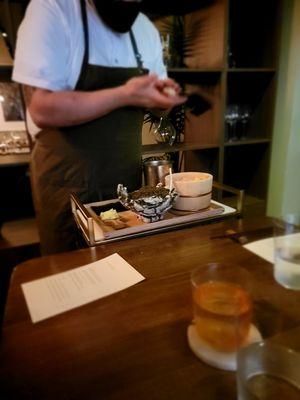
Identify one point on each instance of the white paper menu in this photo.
(263, 248)
(61, 292)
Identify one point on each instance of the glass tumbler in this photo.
(287, 251)
(222, 305)
(223, 313)
(267, 371)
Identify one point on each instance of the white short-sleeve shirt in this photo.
(50, 45)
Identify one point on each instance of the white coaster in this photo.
(214, 357)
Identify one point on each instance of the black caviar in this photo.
(148, 191)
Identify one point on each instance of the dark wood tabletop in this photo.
(132, 345)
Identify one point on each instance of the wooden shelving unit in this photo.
(181, 71)
(254, 70)
(233, 61)
(165, 148)
(247, 142)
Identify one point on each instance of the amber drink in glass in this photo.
(222, 306)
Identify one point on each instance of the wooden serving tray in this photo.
(96, 231)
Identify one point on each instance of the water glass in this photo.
(267, 371)
(287, 251)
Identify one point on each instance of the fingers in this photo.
(151, 92)
(153, 81)
(167, 93)
(168, 83)
(164, 101)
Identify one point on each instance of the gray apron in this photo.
(89, 159)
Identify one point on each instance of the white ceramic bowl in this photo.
(192, 203)
(191, 184)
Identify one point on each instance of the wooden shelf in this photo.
(165, 148)
(196, 76)
(255, 70)
(12, 160)
(248, 141)
(182, 70)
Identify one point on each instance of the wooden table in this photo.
(132, 345)
(12, 160)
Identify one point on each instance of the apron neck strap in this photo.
(85, 62)
(137, 54)
(85, 34)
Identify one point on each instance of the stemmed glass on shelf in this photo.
(231, 118)
(237, 119)
(244, 116)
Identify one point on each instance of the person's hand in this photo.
(168, 87)
(149, 91)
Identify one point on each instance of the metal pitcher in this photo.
(155, 171)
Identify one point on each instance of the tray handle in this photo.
(83, 220)
(238, 192)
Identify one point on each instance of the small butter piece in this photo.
(109, 215)
(169, 91)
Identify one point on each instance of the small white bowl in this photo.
(192, 203)
(191, 184)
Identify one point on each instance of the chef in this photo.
(91, 68)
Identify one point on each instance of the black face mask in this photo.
(118, 15)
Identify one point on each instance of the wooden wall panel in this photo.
(205, 128)
(208, 26)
